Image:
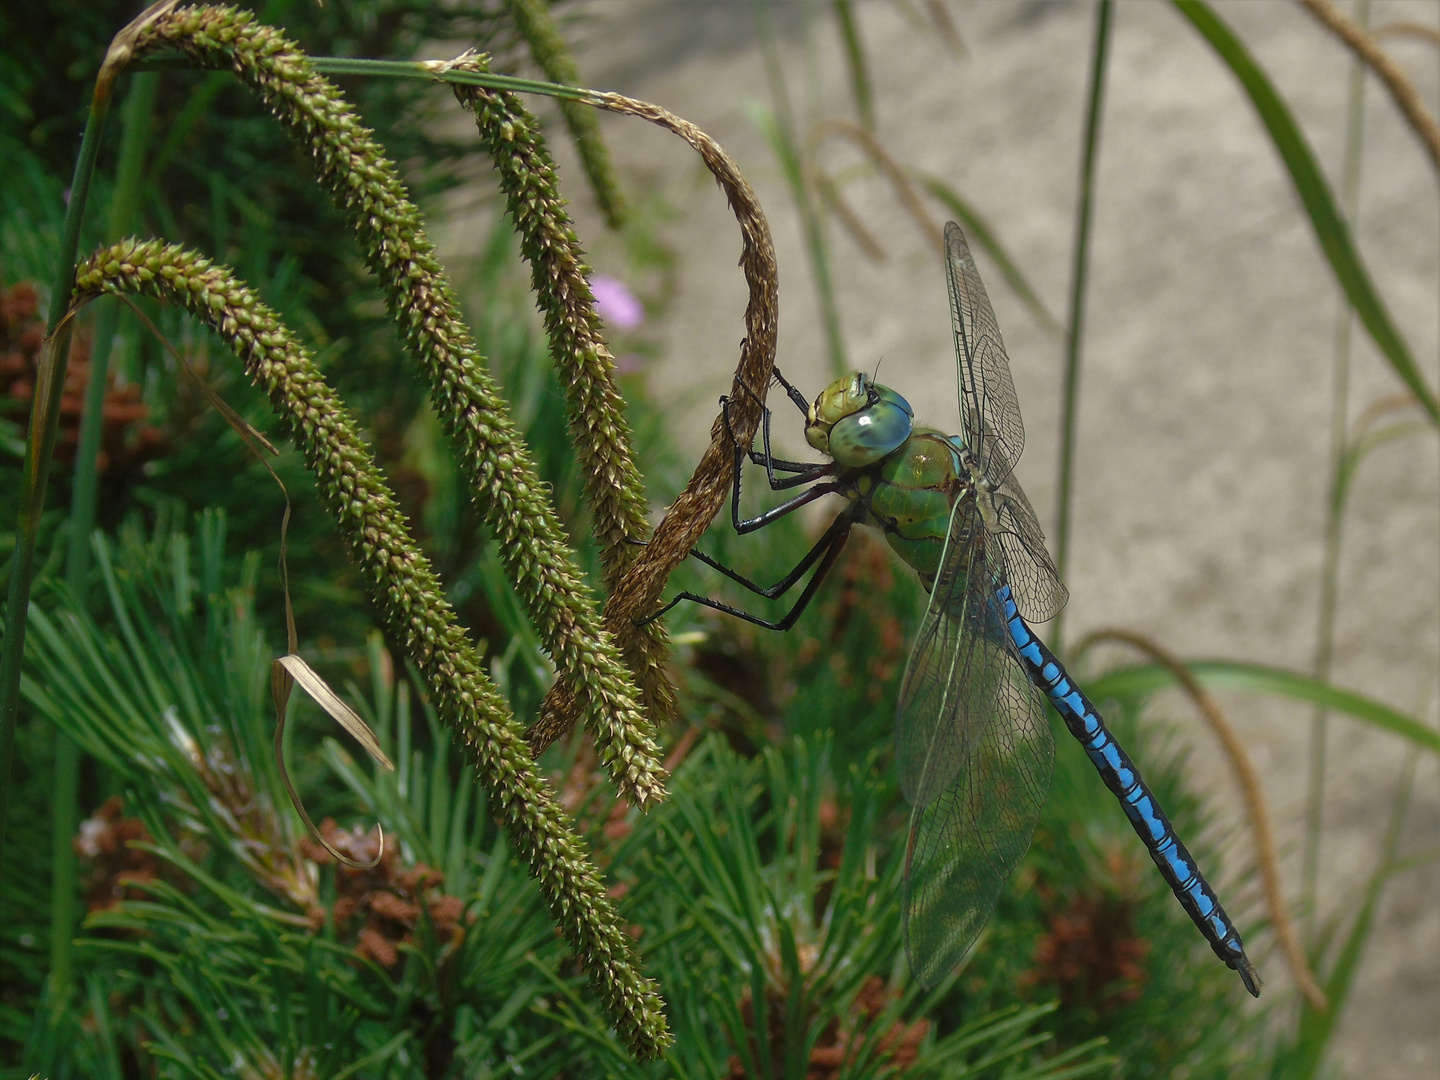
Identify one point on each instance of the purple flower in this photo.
(615, 303)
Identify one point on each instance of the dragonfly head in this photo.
(857, 422)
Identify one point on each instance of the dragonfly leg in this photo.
(826, 551)
(839, 527)
(793, 394)
(775, 513)
(807, 470)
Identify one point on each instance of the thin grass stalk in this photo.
(124, 210)
(536, 25)
(405, 589)
(1391, 75)
(1079, 282)
(1335, 505)
(784, 140)
(504, 481)
(1317, 1027)
(1404, 29)
(980, 234)
(900, 181)
(1275, 682)
(834, 200)
(64, 815)
(40, 444)
(856, 63)
(945, 27)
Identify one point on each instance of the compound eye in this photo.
(864, 437)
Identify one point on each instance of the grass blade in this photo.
(1260, 679)
(40, 446)
(1079, 278)
(855, 62)
(979, 232)
(1317, 1027)
(780, 129)
(1315, 195)
(537, 26)
(1329, 583)
(123, 210)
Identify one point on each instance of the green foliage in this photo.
(403, 585)
(766, 879)
(770, 890)
(496, 463)
(173, 701)
(751, 880)
(762, 895)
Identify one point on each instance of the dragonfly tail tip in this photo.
(1248, 975)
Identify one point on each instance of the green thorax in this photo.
(904, 479)
(908, 495)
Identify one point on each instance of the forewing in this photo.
(989, 410)
(974, 754)
(1039, 593)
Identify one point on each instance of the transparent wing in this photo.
(1039, 593)
(974, 754)
(989, 411)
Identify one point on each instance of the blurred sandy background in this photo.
(1206, 396)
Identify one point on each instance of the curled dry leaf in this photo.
(284, 674)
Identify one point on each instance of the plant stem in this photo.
(1335, 508)
(1315, 1028)
(855, 61)
(40, 445)
(786, 144)
(1314, 191)
(124, 210)
(1079, 279)
(65, 810)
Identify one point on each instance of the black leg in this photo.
(793, 394)
(840, 526)
(827, 551)
(811, 470)
(775, 513)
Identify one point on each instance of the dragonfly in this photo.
(973, 747)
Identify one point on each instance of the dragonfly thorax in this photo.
(983, 490)
(909, 495)
(857, 421)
